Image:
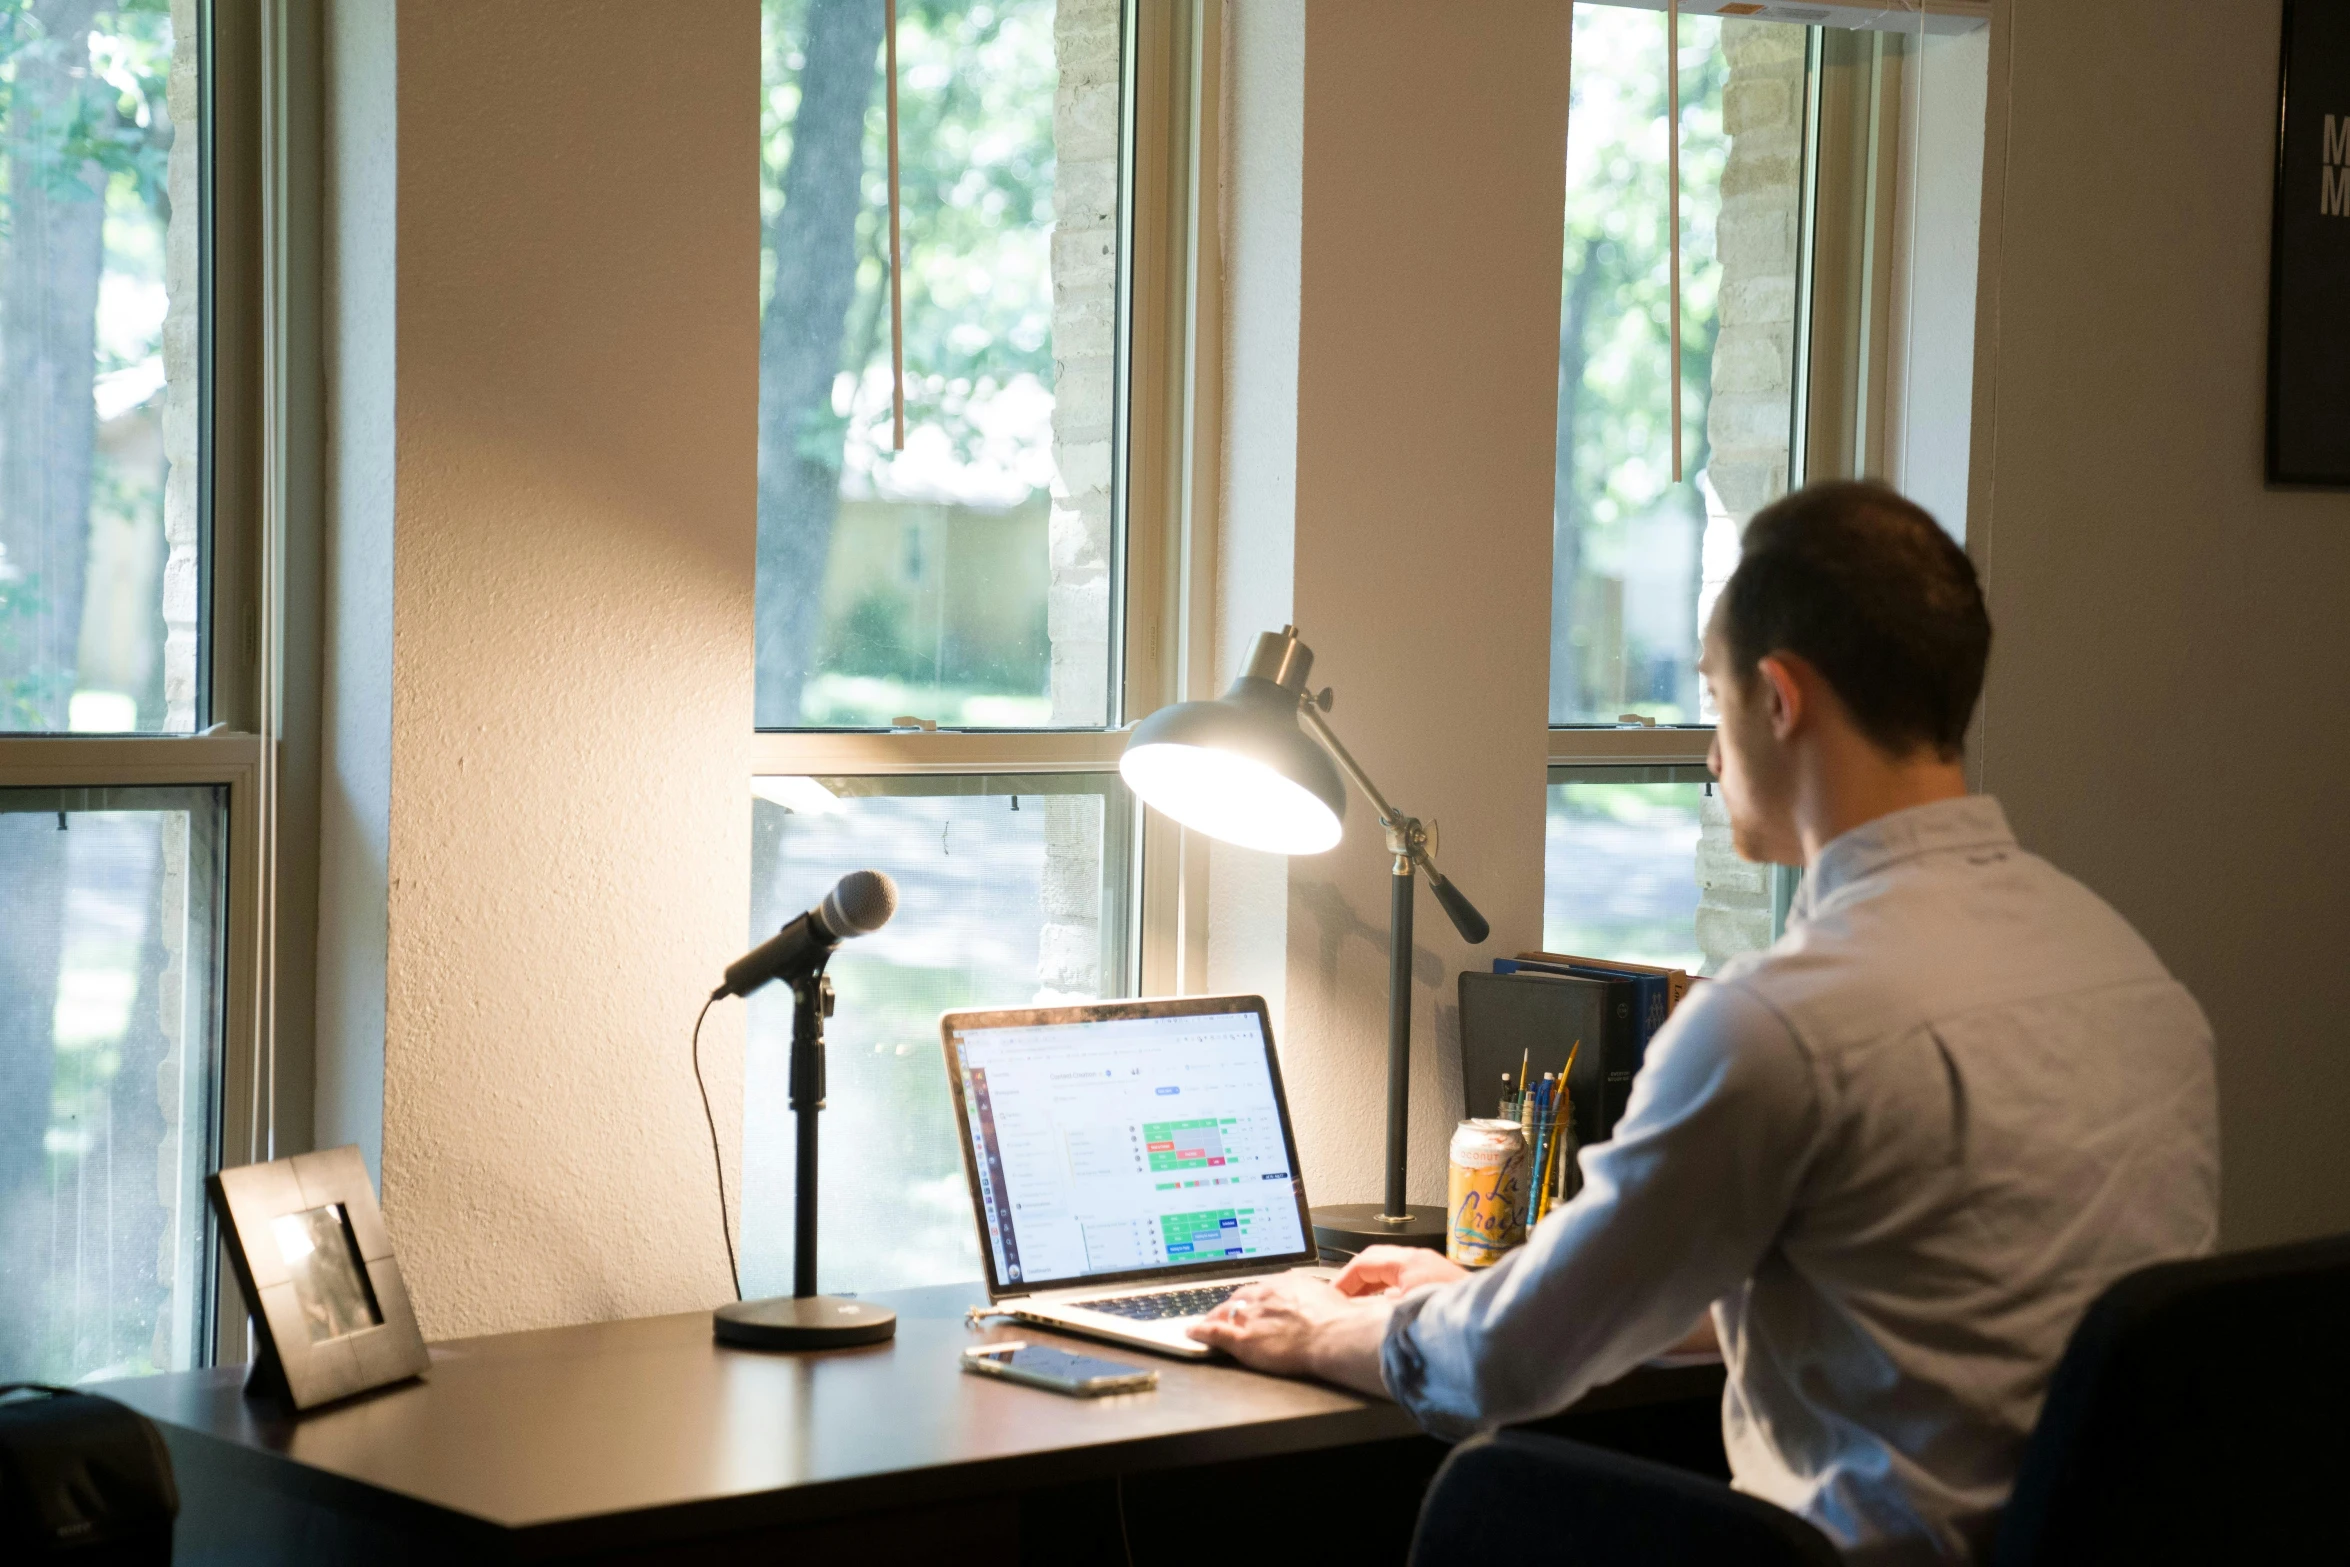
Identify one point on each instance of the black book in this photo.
(1536, 1019)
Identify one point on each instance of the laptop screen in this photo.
(1125, 1140)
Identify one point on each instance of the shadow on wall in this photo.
(1337, 921)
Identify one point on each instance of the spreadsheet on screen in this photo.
(1112, 1145)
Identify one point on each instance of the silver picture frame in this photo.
(331, 1314)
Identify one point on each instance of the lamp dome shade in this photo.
(1240, 770)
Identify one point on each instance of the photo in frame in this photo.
(2309, 252)
(330, 1312)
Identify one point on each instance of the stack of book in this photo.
(1531, 1012)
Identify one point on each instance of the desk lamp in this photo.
(1243, 769)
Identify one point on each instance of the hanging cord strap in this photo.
(1673, 205)
(897, 291)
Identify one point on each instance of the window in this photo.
(943, 647)
(1629, 543)
(110, 1020)
(1620, 845)
(1022, 883)
(99, 548)
(1788, 142)
(128, 944)
(965, 580)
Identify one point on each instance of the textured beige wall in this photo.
(571, 692)
(2163, 718)
(1427, 369)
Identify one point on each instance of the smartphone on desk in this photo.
(1060, 1370)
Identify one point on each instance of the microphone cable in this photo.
(717, 1160)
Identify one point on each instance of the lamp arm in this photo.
(1407, 839)
(1389, 816)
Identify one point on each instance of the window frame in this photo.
(1852, 108)
(1836, 422)
(1163, 481)
(252, 85)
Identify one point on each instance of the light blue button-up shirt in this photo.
(1898, 1154)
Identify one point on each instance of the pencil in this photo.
(1558, 1119)
(1535, 1166)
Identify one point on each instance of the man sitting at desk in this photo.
(1898, 1153)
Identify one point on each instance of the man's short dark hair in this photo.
(1864, 586)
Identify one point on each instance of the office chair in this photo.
(83, 1480)
(2201, 1413)
(1525, 1498)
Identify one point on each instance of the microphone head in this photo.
(860, 904)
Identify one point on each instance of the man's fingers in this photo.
(1365, 1276)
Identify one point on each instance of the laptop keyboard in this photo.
(1164, 1304)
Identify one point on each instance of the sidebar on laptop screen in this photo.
(1121, 1144)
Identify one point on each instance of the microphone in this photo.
(859, 905)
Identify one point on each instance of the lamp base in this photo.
(1342, 1229)
(810, 1322)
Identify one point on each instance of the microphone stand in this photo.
(811, 1005)
(804, 1319)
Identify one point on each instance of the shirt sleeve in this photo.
(1676, 1209)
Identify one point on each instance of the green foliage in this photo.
(1615, 490)
(28, 695)
(976, 159)
(87, 119)
(118, 122)
(1616, 231)
(874, 638)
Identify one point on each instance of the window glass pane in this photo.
(99, 536)
(111, 902)
(1011, 892)
(967, 579)
(1638, 866)
(1637, 558)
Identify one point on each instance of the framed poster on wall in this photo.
(2309, 252)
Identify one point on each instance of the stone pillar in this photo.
(1752, 408)
(1086, 38)
(1750, 420)
(1085, 352)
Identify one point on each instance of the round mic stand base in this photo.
(811, 1322)
(804, 1319)
(1343, 1229)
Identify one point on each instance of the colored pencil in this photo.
(1559, 1119)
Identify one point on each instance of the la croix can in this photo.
(1486, 1192)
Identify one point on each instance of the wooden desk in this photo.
(646, 1441)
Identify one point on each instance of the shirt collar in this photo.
(1973, 821)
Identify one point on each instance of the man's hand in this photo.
(1300, 1326)
(1391, 1270)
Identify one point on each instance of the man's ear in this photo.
(1783, 699)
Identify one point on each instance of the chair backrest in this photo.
(1520, 1497)
(2201, 1413)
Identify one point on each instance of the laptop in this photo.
(1131, 1162)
